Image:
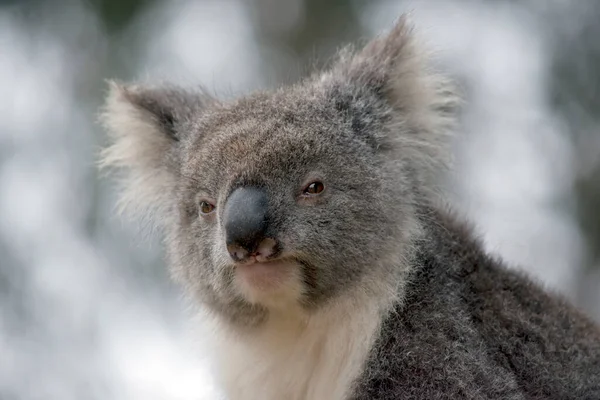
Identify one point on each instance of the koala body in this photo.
(306, 223)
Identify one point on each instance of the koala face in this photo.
(285, 200)
(281, 202)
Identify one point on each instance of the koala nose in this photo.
(245, 219)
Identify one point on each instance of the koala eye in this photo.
(205, 207)
(314, 188)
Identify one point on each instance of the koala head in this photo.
(286, 200)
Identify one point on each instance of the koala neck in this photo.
(301, 355)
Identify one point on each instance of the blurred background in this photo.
(86, 307)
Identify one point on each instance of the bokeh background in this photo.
(86, 307)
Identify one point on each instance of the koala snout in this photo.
(246, 223)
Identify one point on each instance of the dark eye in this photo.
(206, 207)
(314, 188)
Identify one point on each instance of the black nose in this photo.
(245, 219)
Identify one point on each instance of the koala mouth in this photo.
(267, 276)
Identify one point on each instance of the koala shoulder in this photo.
(478, 329)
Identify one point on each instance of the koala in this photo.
(308, 226)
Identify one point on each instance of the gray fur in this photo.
(472, 329)
(374, 128)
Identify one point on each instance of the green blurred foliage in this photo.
(575, 93)
(117, 14)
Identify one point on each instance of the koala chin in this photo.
(307, 224)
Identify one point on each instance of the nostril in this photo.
(237, 253)
(267, 248)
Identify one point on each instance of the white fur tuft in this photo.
(139, 149)
(296, 356)
(425, 103)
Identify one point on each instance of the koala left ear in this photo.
(395, 67)
(396, 100)
(144, 125)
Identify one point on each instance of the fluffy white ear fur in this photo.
(144, 125)
(395, 67)
(400, 68)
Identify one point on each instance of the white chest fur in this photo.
(310, 358)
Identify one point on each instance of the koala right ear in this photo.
(144, 125)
